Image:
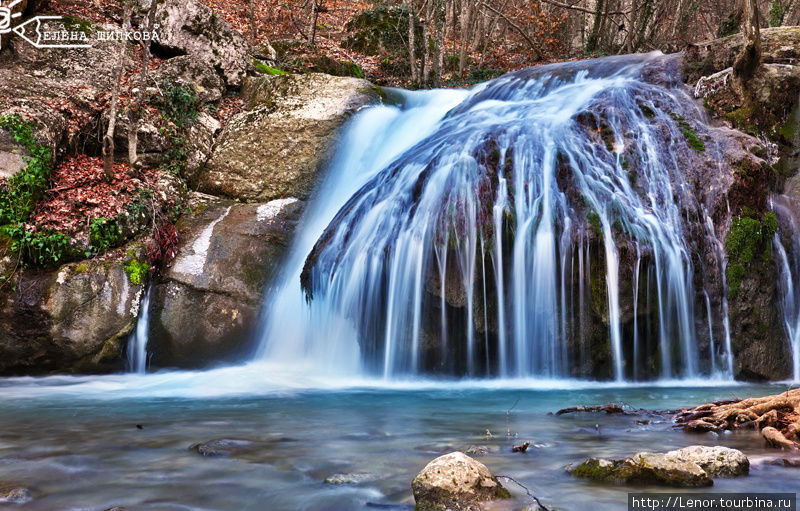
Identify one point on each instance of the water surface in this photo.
(75, 443)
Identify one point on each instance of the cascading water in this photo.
(137, 343)
(490, 232)
(787, 208)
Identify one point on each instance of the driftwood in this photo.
(776, 417)
(607, 408)
(521, 448)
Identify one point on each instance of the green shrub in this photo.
(42, 249)
(104, 233)
(20, 195)
(178, 104)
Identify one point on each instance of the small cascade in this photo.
(137, 356)
(791, 304)
(534, 226)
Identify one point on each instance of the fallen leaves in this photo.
(79, 192)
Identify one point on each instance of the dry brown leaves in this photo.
(80, 192)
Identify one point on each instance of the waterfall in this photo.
(485, 232)
(137, 343)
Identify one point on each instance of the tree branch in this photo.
(583, 9)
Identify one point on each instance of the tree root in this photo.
(776, 417)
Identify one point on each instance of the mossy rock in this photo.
(643, 469)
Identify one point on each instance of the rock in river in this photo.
(455, 481)
(644, 468)
(716, 461)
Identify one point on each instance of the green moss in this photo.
(137, 271)
(594, 222)
(647, 111)
(269, 70)
(689, 134)
(734, 274)
(81, 268)
(747, 239)
(791, 127)
(744, 239)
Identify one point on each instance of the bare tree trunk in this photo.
(426, 43)
(438, 44)
(466, 11)
(749, 57)
(252, 23)
(108, 139)
(312, 30)
(135, 108)
(412, 43)
(594, 37)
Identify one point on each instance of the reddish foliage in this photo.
(80, 192)
(163, 245)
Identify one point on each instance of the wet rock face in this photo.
(191, 28)
(455, 481)
(277, 147)
(206, 305)
(74, 319)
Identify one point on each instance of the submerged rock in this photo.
(204, 309)
(351, 478)
(644, 468)
(716, 461)
(301, 115)
(455, 481)
(221, 447)
(478, 450)
(17, 495)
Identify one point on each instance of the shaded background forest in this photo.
(422, 43)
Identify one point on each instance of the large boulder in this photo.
(644, 468)
(188, 27)
(455, 481)
(199, 144)
(716, 461)
(197, 74)
(204, 308)
(73, 319)
(276, 148)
